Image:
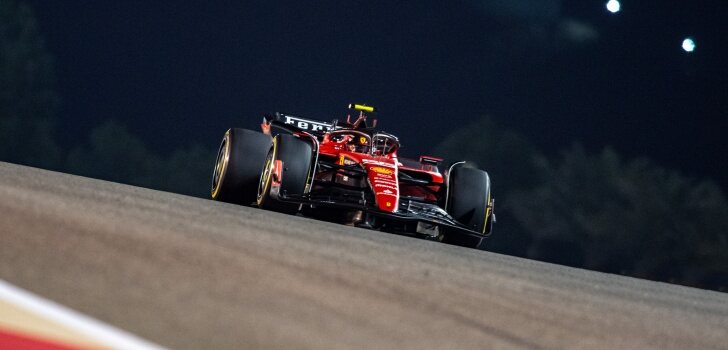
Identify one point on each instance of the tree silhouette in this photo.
(28, 100)
(187, 171)
(512, 163)
(635, 218)
(598, 211)
(28, 104)
(115, 154)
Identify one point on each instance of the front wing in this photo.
(414, 217)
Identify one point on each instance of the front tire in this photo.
(469, 199)
(295, 155)
(237, 168)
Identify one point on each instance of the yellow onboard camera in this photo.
(363, 108)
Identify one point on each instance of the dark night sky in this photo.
(558, 71)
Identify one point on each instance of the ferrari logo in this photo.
(362, 140)
(389, 204)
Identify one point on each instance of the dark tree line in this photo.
(28, 106)
(599, 211)
(28, 100)
(113, 153)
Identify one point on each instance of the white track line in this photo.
(105, 334)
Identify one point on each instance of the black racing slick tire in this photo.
(469, 198)
(238, 166)
(295, 155)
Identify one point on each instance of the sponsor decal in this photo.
(378, 186)
(382, 170)
(387, 191)
(375, 162)
(306, 124)
(385, 182)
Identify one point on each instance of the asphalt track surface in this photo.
(190, 273)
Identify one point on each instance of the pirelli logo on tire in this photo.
(382, 170)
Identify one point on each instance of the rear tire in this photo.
(238, 166)
(295, 175)
(468, 198)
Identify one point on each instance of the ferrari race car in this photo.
(349, 172)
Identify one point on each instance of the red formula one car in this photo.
(349, 172)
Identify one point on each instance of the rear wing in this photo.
(293, 123)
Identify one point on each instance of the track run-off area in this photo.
(190, 273)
